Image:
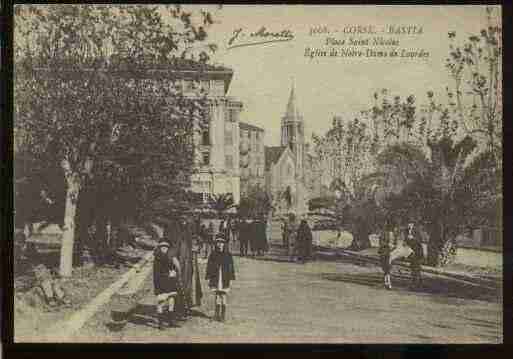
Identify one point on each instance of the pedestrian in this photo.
(228, 234)
(385, 248)
(203, 240)
(285, 234)
(268, 230)
(261, 237)
(235, 233)
(304, 237)
(309, 242)
(244, 237)
(220, 271)
(253, 237)
(291, 249)
(401, 249)
(210, 236)
(185, 257)
(166, 271)
(414, 241)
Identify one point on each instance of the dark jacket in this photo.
(415, 244)
(225, 261)
(253, 236)
(304, 239)
(162, 282)
(244, 233)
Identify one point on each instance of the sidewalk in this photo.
(371, 255)
(88, 288)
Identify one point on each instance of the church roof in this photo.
(272, 155)
(292, 111)
(247, 126)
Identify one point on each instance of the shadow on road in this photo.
(441, 289)
(146, 314)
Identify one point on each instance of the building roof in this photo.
(247, 126)
(170, 68)
(272, 155)
(292, 111)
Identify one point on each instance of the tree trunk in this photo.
(100, 240)
(361, 234)
(441, 247)
(434, 245)
(68, 236)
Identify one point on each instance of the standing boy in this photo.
(220, 271)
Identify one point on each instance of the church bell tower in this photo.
(292, 131)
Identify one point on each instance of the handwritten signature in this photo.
(242, 38)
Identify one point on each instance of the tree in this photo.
(85, 90)
(320, 161)
(221, 202)
(475, 66)
(429, 190)
(345, 151)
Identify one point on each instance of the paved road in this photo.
(344, 302)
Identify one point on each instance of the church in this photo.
(287, 166)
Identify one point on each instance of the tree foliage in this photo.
(89, 96)
(475, 65)
(221, 202)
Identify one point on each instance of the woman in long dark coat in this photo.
(220, 272)
(244, 237)
(186, 261)
(253, 237)
(263, 246)
(304, 238)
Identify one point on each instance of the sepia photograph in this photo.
(306, 174)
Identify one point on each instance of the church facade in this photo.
(287, 167)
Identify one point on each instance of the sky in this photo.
(325, 86)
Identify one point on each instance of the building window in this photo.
(205, 191)
(205, 138)
(206, 158)
(229, 161)
(188, 85)
(228, 138)
(205, 85)
(228, 133)
(233, 115)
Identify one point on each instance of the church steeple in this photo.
(292, 130)
(292, 111)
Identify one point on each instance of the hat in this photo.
(163, 244)
(219, 238)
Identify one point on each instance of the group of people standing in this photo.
(398, 242)
(176, 276)
(297, 240)
(250, 234)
